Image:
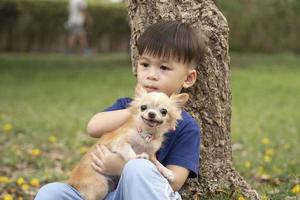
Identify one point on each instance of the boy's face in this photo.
(167, 76)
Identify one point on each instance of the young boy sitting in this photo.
(168, 51)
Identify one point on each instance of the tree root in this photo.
(227, 181)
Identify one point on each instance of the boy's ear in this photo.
(139, 91)
(180, 99)
(190, 79)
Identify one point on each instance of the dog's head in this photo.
(155, 110)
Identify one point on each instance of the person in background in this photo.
(78, 15)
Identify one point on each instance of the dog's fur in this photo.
(153, 114)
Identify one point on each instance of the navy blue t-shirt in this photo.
(181, 147)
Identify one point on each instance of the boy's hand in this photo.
(107, 162)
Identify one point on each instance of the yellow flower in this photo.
(7, 197)
(269, 152)
(241, 198)
(276, 170)
(261, 173)
(20, 180)
(4, 179)
(25, 187)
(286, 146)
(247, 164)
(296, 189)
(265, 141)
(35, 182)
(265, 176)
(83, 150)
(260, 170)
(263, 197)
(7, 127)
(52, 139)
(267, 159)
(35, 152)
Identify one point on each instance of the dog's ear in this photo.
(139, 91)
(180, 99)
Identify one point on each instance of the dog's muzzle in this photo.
(151, 122)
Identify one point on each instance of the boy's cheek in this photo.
(139, 79)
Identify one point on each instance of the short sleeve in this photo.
(186, 149)
(120, 104)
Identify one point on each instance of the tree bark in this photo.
(210, 102)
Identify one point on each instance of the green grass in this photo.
(55, 95)
(266, 96)
(45, 95)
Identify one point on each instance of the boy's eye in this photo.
(163, 67)
(163, 111)
(143, 107)
(144, 64)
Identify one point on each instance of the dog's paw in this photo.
(142, 156)
(168, 174)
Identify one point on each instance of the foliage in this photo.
(255, 26)
(46, 101)
(263, 26)
(29, 25)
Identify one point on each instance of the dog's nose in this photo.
(151, 115)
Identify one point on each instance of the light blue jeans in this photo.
(140, 179)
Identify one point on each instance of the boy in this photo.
(168, 53)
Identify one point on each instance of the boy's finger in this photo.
(99, 151)
(96, 160)
(96, 168)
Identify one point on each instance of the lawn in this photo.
(266, 121)
(46, 101)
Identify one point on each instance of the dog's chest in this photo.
(140, 144)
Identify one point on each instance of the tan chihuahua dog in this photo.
(152, 115)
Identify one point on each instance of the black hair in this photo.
(172, 39)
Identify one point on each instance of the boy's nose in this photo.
(151, 115)
(152, 75)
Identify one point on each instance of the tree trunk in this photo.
(210, 101)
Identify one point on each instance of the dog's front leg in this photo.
(126, 151)
(167, 173)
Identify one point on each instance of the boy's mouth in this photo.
(150, 88)
(151, 122)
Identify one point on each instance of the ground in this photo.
(47, 99)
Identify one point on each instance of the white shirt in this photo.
(76, 15)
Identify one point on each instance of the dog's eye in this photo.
(143, 107)
(163, 111)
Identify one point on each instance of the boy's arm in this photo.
(104, 122)
(183, 160)
(180, 176)
(175, 174)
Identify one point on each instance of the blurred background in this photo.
(49, 89)
(40, 26)
(268, 26)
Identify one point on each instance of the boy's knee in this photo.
(52, 191)
(137, 167)
(141, 176)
